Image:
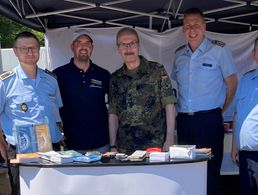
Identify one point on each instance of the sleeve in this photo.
(2, 96)
(59, 102)
(167, 96)
(113, 98)
(226, 62)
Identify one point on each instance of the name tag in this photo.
(207, 65)
(96, 83)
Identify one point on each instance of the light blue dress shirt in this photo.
(40, 97)
(200, 75)
(246, 132)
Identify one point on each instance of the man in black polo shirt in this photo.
(83, 87)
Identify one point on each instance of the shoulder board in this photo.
(50, 73)
(219, 43)
(179, 48)
(7, 74)
(249, 72)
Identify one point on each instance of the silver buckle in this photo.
(190, 113)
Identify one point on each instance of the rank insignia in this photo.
(24, 107)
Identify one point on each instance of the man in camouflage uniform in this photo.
(141, 110)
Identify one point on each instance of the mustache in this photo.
(129, 53)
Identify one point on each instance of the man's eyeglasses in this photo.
(130, 45)
(28, 49)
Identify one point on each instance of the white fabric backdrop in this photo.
(155, 46)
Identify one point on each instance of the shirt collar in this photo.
(202, 47)
(91, 67)
(143, 68)
(255, 75)
(23, 75)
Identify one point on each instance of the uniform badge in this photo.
(24, 107)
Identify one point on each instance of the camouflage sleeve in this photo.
(167, 96)
(113, 99)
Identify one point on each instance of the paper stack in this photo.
(56, 157)
(159, 156)
(182, 151)
(26, 158)
(203, 152)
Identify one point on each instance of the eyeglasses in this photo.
(27, 49)
(130, 45)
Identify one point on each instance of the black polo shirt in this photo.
(84, 114)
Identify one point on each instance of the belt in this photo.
(199, 112)
(248, 152)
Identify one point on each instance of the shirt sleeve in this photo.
(2, 97)
(59, 101)
(113, 99)
(167, 96)
(226, 61)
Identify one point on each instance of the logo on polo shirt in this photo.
(96, 83)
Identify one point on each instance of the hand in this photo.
(114, 150)
(167, 144)
(235, 155)
(3, 149)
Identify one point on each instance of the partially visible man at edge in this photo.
(141, 106)
(84, 86)
(206, 77)
(245, 130)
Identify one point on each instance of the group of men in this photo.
(141, 111)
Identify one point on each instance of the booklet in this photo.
(25, 139)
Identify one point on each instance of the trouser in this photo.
(14, 171)
(205, 129)
(248, 171)
(5, 186)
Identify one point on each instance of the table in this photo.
(111, 177)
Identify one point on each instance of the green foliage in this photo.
(9, 29)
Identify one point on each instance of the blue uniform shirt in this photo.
(246, 132)
(200, 75)
(41, 97)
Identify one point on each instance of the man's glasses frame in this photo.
(28, 49)
(131, 45)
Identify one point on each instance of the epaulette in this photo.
(179, 48)
(219, 43)
(7, 74)
(249, 72)
(50, 73)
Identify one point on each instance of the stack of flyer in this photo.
(203, 152)
(182, 151)
(56, 157)
(26, 158)
(159, 156)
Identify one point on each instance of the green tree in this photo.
(9, 29)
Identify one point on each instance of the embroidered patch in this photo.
(5, 75)
(96, 82)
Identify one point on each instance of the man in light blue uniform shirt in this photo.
(245, 130)
(205, 74)
(28, 95)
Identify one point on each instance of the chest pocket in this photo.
(24, 105)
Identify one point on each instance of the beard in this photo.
(83, 57)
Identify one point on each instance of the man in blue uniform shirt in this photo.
(84, 87)
(245, 130)
(28, 95)
(206, 79)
